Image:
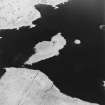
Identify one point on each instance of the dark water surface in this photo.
(79, 69)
